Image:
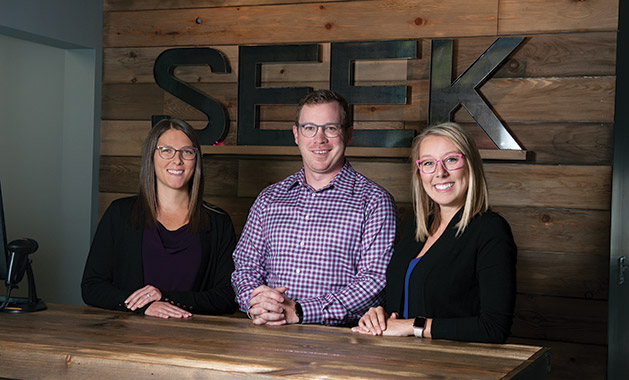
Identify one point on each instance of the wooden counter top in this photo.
(75, 342)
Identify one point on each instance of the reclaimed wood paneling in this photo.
(138, 5)
(536, 16)
(558, 143)
(135, 65)
(561, 274)
(579, 187)
(123, 137)
(539, 56)
(559, 230)
(562, 319)
(297, 23)
(583, 99)
(137, 102)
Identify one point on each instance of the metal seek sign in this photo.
(446, 95)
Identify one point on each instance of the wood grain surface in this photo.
(296, 23)
(76, 342)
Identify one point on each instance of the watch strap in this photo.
(418, 326)
(300, 312)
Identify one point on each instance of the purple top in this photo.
(330, 247)
(171, 259)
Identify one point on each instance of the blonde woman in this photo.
(452, 275)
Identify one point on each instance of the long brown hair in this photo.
(144, 212)
(476, 199)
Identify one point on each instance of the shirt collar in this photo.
(343, 180)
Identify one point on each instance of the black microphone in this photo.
(19, 250)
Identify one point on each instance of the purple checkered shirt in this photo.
(329, 247)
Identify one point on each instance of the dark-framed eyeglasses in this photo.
(452, 161)
(330, 130)
(168, 152)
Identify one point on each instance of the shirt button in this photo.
(307, 217)
(297, 271)
(302, 244)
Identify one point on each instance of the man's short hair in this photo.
(322, 97)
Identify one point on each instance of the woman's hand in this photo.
(165, 310)
(399, 327)
(374, 321)
(143, 297)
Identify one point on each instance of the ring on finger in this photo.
(148, 295)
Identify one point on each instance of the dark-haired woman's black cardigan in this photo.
(466, 284)
(114, 265)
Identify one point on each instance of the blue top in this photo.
(411, 266)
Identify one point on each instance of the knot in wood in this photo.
(514, 64)
(546, 218)
(419, 21)
(328, 25)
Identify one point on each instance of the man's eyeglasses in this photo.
(167, 152)
(449, 162)
(330, 130)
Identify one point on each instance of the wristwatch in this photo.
(299, 311)
(418, 326)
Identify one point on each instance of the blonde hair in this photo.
(476, 199)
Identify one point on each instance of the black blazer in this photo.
(467, 284)
(114, 265)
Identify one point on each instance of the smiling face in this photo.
(323, 157)
(446, 188)
(174, 173)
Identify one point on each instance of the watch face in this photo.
(420, 322)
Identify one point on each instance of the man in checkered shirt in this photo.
(316, 245)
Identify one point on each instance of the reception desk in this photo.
(75, 342)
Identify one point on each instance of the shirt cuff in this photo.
(312, 309)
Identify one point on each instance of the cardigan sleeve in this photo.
(496, 275)
(215, 294)
(97, 285)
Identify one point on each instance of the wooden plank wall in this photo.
(555, 93)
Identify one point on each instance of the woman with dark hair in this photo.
(165, 252)
(452, 275)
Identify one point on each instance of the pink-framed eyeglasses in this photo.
(452, 161)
